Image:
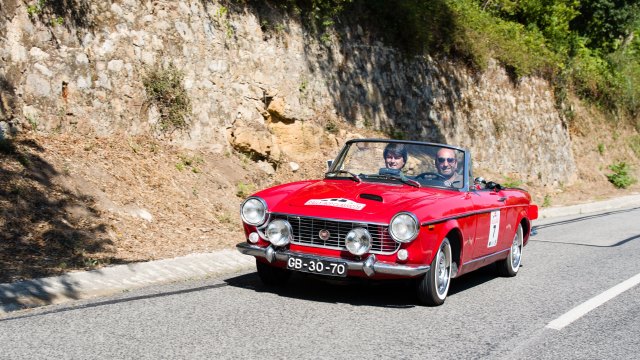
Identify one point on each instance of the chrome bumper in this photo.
(370, 266)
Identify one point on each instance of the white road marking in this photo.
(580, 310)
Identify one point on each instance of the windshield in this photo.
(411, 163)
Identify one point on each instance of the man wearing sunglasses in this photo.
(447, 166)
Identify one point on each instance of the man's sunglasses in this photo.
(442, 160)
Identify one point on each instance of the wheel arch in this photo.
(526, 230)
(452, 231)
(455, 240)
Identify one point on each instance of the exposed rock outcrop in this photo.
(269, 96)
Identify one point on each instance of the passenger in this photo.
(395, 156)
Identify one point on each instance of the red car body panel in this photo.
(463, 216)
(394, 197)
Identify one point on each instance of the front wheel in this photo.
(434, 286)
(271, 275)
(509, 267)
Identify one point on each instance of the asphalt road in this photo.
(568, 262)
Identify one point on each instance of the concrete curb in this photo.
(114, 279)
(611, 204)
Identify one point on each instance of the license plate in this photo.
(317, 266)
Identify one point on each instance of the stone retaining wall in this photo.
(82, 72)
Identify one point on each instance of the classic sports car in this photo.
(389, 209)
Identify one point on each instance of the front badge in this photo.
(324, 234)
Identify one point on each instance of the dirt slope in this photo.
(69, 202)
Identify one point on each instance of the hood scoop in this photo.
(371, 197)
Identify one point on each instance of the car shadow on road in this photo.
(355, 291)
(475, 278)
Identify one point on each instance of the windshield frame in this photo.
(466, 171)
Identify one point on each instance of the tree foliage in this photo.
(551, 18)
(589, 46)
(606, 23)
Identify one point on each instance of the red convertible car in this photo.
(389, 209)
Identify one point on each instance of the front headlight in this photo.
(358, 241)
(404, 227)
(253, 211)
(279, 232)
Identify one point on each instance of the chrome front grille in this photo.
(306, 232)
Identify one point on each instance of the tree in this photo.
(607, 23)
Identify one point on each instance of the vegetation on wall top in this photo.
(589, 46)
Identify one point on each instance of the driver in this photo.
(447, 165)
(395, 156)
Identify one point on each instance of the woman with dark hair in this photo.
(395, 156)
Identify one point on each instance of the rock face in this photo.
(254, 140)
(269, 93)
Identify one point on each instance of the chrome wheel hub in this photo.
(516, 251)
(442, 271)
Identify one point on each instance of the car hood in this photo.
(350, 200)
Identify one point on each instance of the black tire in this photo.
(509, 267)
(271, 275)
(434, 285)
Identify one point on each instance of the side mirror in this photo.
(329, 163)
(494, 186)
(479, 180)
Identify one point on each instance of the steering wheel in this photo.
(429, 175)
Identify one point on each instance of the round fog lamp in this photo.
(254, 237)
(358, 241)
(402, 254)
(279, 232)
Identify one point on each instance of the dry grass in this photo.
(69, 202)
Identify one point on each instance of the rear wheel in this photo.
(509, 267)
(434, 286)
(271, 275)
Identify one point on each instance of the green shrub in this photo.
(243, 189)
(621, 177)
(165, 90)
(626, 64)
(522, 50)
(511, 183)
(591, 75)
(36, 9)
(190, 161)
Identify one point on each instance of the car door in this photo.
(491, 221)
